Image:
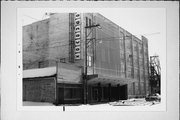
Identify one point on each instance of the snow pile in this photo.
(29, 103)
(132, 102)
(40, 72)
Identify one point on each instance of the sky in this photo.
(150, 22)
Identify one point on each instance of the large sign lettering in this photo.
(77, 35)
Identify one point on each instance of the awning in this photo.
(105, 80)
(39, 72)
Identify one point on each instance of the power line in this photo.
(100, 39)
(151, 34)
(30, 17)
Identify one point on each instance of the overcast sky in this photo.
(150, 22)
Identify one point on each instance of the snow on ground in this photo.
(29, 103)
(133, 102)
(89, 108)
(128, 105)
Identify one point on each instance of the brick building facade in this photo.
(117, 61)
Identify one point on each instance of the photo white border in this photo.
(161, 107)
(9, 52)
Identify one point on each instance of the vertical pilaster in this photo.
(147, 89)
(125, 63)
(144, 65)
(139, 73)
(132, 56)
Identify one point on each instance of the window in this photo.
(72, 93)
(89, 22)
(41, 64)
(86, 21)
(63, 60)
(37, 27)
(89, 61)
(31, 36)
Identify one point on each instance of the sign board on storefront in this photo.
(77, 34)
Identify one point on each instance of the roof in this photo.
(39, 72)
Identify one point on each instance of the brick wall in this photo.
(39, 89)
(58, 37)
(46, 41)
(35, 43)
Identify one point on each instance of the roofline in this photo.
(41, 77)
(121, 27)
(44, 20)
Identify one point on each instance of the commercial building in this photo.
(116, 65)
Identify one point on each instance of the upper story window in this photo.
(86, 21)
(89, 61)
(63, 60)
(40, 64)
(89, 22)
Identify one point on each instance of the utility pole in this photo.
(85, 93)
(85, 69)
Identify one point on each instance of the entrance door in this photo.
(60, 95)
(123, 92)
(95, 94)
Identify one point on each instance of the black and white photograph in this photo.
(101, 59)
(81, 60)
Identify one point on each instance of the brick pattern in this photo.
(46, 41)
(58, 37)
(39, 89)
(35, 42)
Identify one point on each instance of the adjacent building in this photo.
(117, 61)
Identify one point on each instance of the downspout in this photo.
(56, 77)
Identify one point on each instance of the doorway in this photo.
(123, 92)
(95, 94)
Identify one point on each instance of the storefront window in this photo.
(72, 93)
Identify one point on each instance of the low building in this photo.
(117, 61)
(39, 85)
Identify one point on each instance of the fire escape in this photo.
(155, 75)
